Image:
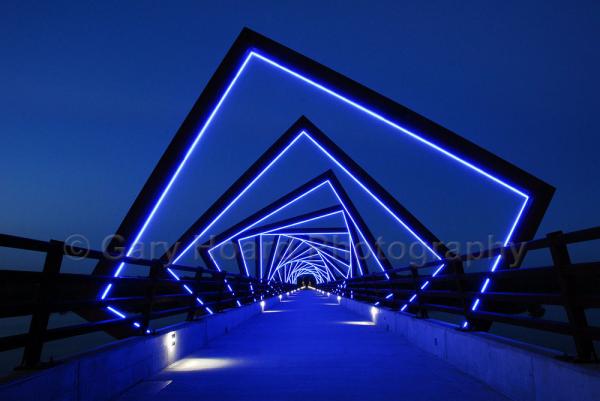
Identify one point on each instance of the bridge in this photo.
(293, 300)
(330, 353)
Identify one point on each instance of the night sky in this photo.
(91, 94)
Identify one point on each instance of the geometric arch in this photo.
(251, 47)
(303, 128)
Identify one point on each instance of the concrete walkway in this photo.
(309, 348)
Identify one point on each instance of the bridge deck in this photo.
(308, 347)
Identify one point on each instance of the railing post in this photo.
(195, 293)
(155, 270)
(222, 276)
(421, 311)
(238, 287)
(40, 317)
(575, 314)
(457, 270)
(259, 288)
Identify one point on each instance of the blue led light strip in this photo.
(292, 260)
(324, 256)
(305, 259)
(299, 197)
(299, 271)
(306, 266)
(332, 188)
(315, 248)
(348, 173)
(422, 140)
(291, 264)
(299, 257)
(255, 55)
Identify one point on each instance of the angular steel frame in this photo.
(250, 45)
(327, 176)
(303, 124)
(219, 84)
(272, 228)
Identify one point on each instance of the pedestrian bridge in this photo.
(309, 346)
(321, 309)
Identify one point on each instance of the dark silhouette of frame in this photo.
(303, 124)
(540, 193)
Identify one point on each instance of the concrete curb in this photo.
(109, 370)
(519, 371)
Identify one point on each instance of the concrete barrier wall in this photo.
(520, 371)
(107, 371)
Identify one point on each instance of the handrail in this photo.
(146, 298)
(573, 286)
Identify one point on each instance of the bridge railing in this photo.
(135, 301)
(513, 296)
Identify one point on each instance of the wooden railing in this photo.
(513, 296)
(140, 300)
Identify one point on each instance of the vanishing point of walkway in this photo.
(307, 347)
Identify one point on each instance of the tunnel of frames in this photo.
(288, 221)
(333, 244)
(300, 206)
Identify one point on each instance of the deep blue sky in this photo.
(91, 94)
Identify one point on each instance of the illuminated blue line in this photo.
(291, 254)
(381, 203)
(106, 291)
(297, 223)
(270, 214)
(293, 274)
(322, 233)
(261, 256)
(321, 256)
(328, 91)
(172, 273)
(332, 265)
(499, 257)
(285, 251)
(116, 312)
(331, 257)
(243, 258)
(411, 134)
(301, 263)
(315, 267)
(219, 269)
(485, 285)
(388, 122)
(270, 232)
(320, 245)
(328, 258)
(274, 253)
